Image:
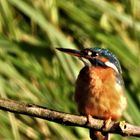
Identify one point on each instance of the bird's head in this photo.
(95, 57)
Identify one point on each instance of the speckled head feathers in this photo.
(108, 55)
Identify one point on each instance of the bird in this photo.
(99, 90)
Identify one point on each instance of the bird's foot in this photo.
(89, 119)
(105, 128)
(107, 123)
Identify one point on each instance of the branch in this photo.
(121, 128)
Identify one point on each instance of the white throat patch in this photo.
(85, 61)
(111, 65)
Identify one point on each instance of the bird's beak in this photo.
(70, 51)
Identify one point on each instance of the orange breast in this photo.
(98, 94)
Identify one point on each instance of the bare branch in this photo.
(121, 128)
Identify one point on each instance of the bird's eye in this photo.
(87, 52)
(94, 54)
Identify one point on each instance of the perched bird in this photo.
(99, 89)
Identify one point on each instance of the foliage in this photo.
(32, 71)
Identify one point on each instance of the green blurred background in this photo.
(33, 71)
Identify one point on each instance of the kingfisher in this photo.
(99, 91)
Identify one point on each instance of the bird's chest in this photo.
(97, 91)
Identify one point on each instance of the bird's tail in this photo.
(96, 135)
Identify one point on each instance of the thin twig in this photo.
(121, 128)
